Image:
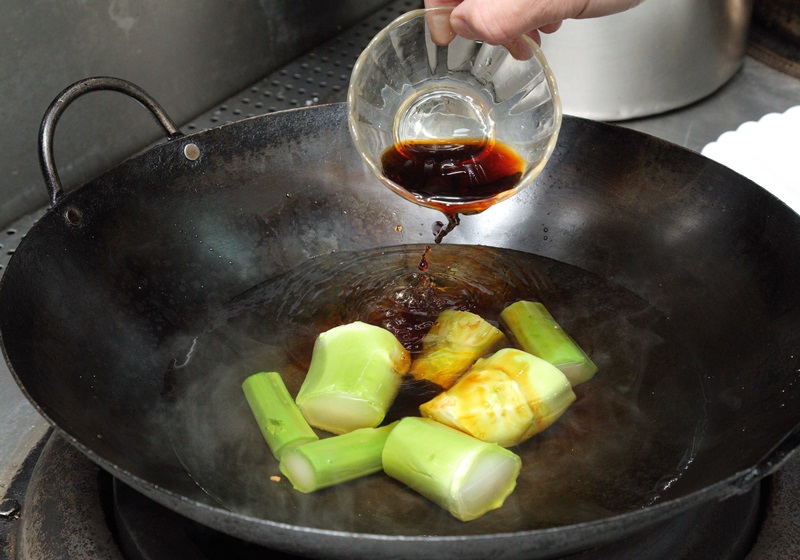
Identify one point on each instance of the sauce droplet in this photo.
(423, 261)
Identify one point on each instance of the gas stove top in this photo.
(765, 525)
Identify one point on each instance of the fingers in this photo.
(440, 3)
(439, 26)
(534, 34)
(520, 48)
(599, 8)
(551, 27)
(499, 21)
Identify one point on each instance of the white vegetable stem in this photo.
(353, 378)
(336, 459)
(466, 476)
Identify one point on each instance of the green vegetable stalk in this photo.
(531, 328)
(280, 421)
(353, 378)
(455, 341)
(336, 459)
(466, 476)
(504, 399)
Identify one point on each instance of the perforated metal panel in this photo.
(11, 235)
(320, 76)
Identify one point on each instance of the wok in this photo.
(134, 308)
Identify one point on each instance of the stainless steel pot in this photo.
(653, 58)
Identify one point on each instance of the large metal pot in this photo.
(134, 308)
(652, 58)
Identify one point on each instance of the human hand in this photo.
(500, 21)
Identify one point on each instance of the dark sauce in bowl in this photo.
(457, 176)
(454, 171)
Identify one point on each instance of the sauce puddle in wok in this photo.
(631, 432)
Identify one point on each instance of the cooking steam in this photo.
(633, 428)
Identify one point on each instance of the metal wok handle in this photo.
(70, 94)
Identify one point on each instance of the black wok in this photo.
(134, 308)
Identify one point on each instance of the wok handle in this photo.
(70, 94)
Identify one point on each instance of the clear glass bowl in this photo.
(443, 105)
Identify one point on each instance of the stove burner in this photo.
(73, 510)
(149, 531)
(775, 35)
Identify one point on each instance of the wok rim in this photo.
(737, 484)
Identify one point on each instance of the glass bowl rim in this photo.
(374, 166)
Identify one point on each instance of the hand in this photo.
(499, 21)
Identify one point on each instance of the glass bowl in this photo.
(450, 123)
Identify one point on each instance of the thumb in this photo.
(499, 21)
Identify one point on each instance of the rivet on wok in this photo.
(191, 151)
(9, 508)
(73, 216)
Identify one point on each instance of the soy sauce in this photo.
(454, 171)
(423, 261)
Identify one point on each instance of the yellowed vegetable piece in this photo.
(455, 341)
(505, 398)
(485, 404)
(353, 378)
(546, 389)
(531, 328)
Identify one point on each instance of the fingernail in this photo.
(461, 27)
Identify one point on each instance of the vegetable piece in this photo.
(531, 328)
(506, 398)
(547, 389)
(353, 378)
(452, 345)
(464, 475)
(280, 421)
(485, 404)
(336, 459)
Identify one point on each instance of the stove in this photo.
(57, 504)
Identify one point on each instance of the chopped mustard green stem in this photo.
(546, 389)
(336, 459)
(531, 328)
(505, 398)
(280, 421)
(353, 378)
(464, 475)
(454, 342)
